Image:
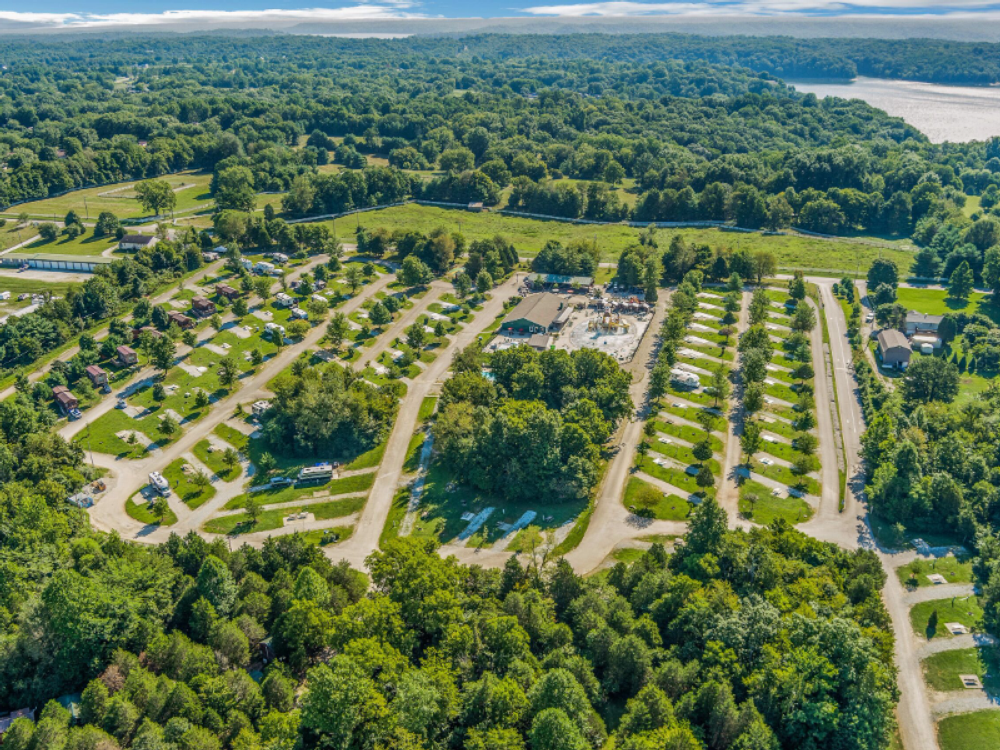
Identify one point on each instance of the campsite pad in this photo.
(140, 438)
(193, 371)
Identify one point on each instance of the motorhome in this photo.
(159, 483)
(318, 472)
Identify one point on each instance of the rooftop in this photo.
(540, 309)
(554, 278)
(912, 316)
(138, 239)
(890, 338)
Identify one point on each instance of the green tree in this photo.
(379, 315)
(484, 282)
(216, 583)
(414, 272)
(354, 277)
(336, 330)
(930, 379)
(156, 196)
(960, 284)
(233, 189)
(168, 425)
(416, 336)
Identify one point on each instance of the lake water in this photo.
(942, 113)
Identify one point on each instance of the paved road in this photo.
(916, 724)
(611, 521)
(110, 513)
(366, 534)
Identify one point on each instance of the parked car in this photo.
(281, 481)
(75, 413)
(121, 403)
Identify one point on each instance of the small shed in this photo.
(65, 400)
(137, 241)
(183, 321)
(97, 376)
(127, 356)
(202, 307)
(893, 348)
(224, 290)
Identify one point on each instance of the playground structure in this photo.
(611, 329)
(608, 324)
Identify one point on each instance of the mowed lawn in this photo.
(929, 618)
(530, 235)
(85, 244)
(191, 190)
(942, 670)
(976, 731)
(937, 302)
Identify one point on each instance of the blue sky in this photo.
(91, 13)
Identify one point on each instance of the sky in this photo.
(97, 13)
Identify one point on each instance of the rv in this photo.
(263, 268)
(321, 472)
(299, 314)
(158, 483)
(273, 328)
(283, 300)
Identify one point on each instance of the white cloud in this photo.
(386, 9)
(770, 8)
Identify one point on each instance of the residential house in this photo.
(7, 719)
(921, 324)
(137, 241)
(127, 356)
(65, 400)
(152, 332)
(893, 348)
(202, 307)
(97, 376)
(224, 290)
(183, 321)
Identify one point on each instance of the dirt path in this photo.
(610, 522)
(366, 534)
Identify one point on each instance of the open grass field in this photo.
(212, 458)
(18, 285)
(667, 507)
(85, 245)
(443, 503)
(929, 618)
(942, 670)
(141, 510)
(191, 189)
(239, 523)
(937, 302)
(955, 570)
(529, 235)
(180, 482)
(976, 731)
(232, 436)
(292, 493)
(767, 507)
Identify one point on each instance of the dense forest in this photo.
(751, 641)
